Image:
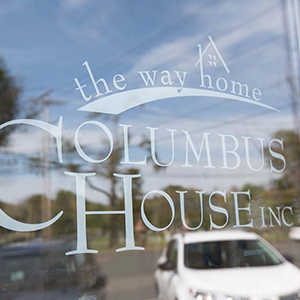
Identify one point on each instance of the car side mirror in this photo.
(289, 258)
(167, 266)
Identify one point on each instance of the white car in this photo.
(224, 265)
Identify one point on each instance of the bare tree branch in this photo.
(97, 188)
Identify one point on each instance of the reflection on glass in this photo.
(41, 270)
(229, 254)
(189, 57)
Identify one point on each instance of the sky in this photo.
(45, 44)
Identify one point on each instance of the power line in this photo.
(202, 110)
(160, 36)
(220, 124)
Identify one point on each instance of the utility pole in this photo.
(41, 106)
(46, 199)
(292, 69)
(291, 13)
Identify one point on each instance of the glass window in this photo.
(229, 254)
(125, 125)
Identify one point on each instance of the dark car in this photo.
(41, 270)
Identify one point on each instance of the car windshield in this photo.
(229, 254)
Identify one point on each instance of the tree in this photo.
(9, 101)
(111, 187)
(286, 188)
(159, 212)
(291, 152)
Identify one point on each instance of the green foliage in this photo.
(9, 94)
(256, 191)
(291, 152)
(159, 212)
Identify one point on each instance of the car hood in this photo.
(252, 282)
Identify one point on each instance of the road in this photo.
(130, 274)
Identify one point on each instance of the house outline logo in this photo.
(211, 58)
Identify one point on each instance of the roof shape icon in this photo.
(212, 58)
